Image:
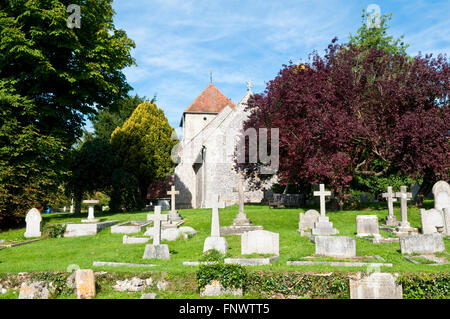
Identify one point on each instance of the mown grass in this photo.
(57, 254)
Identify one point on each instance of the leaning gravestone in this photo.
(33, 220)
(85, 283)
(433, 219)
(307, 220)
(441, 192)
(157, 250)
(215, 241)
(260, 242)
(335, 246)
(422, 244)
(377, 285)
(367, 225)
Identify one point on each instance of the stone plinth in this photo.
(251, 261)
(238, 230)
(129, 227)
(324, 227)
(76, 230)
(217, 243)
(160, 251)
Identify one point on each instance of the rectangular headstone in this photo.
(260, 242)
(308, 219)
(335, 246)
(422, 244)
(433, 218)
(85, 283)
(367, 225)
(377, 285)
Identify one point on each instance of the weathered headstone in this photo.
(157, 250)
(173, 213)
(404, 197)
(307, 220)
(323, 226)
(215, 241)
(335, 246)
(260, 242)
(33, 220)
(433, 218)
(391, 220)
(36, 290)
(91, 205)
(376, 285)
(85, 283)
(367, 225)
(422, 244)
(441, 192)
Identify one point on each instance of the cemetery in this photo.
(126, 173)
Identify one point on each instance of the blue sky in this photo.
(178, 41)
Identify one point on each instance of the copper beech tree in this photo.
(356, 112)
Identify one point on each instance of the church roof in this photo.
(211, 100)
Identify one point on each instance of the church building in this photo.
(211, 127)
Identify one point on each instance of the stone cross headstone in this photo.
(157, 250)
(391, 220)
(215, 241)
(173, 214)
(323, 226)
(321, 194)
(241, 218)
(404, 197)
(157, 218)
(441, 192)
(33, 220)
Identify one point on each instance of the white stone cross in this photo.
(322, 193)
(240, 191)
(157, 217)
(390, 197)
(404, 196)
(215, 224)
(172, 194)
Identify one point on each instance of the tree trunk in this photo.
(425, 188)
(78, 197)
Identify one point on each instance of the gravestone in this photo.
(367, 225)
(91, 205)
(241, 223)
(405, 227)
(85, 283)
(422, 244)
(376, 285)
(307, 220)
(173, 213)
(215, 241)
(260, 242)
(441, 192)
(323, 226)
(157, 250)
(391, 220)
(335, 246)
(434, 218)
(33, 220)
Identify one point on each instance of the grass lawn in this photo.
(57, 254)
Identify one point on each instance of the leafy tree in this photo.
(92, 165)
(107, 120)
(357, 112)
(143, 145)
(51, 77)
(377, 38)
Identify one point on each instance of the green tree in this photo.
(51, 78)
(107, 120)
(143, 145)
(377, 37)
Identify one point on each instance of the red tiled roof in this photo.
(211, 100)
